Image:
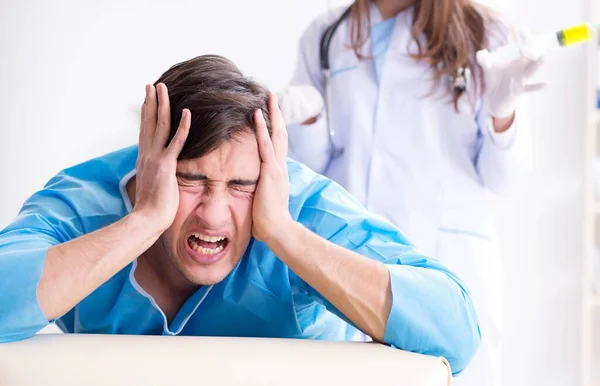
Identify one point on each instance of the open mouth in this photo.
(207, 245)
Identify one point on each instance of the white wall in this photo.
(541, 228)
(72, 75)
(73, 72)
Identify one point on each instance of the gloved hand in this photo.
(508, 72)
(300, 103)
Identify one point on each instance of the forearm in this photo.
(357, 286)
(505, 157)
(76, 268)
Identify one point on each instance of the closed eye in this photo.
(243, 185)
(190, 184)
(244, 188)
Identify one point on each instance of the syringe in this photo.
(576, 34)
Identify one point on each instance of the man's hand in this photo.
(76, 268)
(270, 211)
(157, 191)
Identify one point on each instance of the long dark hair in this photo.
(222, 102)
(455, 30)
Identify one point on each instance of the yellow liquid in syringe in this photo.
(576, 34)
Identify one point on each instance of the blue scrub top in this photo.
(431, 311)
(381, 36)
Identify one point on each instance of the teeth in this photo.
(206, 251)
(210, 239)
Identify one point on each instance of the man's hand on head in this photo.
(157, 191)
(270, 212)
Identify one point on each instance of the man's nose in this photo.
(214, 209)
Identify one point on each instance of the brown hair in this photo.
(455, 30)
(222, 102)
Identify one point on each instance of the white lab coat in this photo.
(409, 156)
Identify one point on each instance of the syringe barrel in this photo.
(576, 34)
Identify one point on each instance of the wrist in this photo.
(145, 223)
(501, 125)
(310, 121)
(282, 232)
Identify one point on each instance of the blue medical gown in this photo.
(431, 311)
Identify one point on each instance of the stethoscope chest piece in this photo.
(462, 79)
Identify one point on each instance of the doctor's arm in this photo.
(505, 156)
(303, 108)
(360, 266)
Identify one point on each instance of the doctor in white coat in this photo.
(421, 123)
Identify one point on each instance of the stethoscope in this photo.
(459, 82)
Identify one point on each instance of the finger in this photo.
(532, 52)
(525, 35)
(142, 137)
(181, 135)
(265, 146)
(533, 68)
(163, 124)
(148, 123)
(532, 87)
(279, 136)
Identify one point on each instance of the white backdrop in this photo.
(541, 228)
(73, 72)
(72, 75)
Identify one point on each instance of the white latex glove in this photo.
(300, 103)
(508, 73)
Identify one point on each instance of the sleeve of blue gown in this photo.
(45, 220)
(431, 310)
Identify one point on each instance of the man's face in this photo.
(213, 224)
